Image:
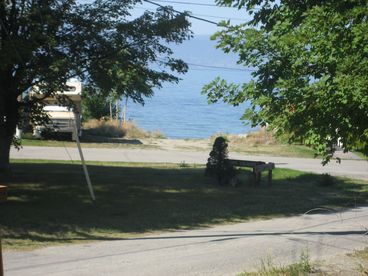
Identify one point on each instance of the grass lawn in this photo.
(88, 143)
(48, 202)
(285, 150)
(362, 155)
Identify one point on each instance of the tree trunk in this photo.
(5, 144)
(9, 116)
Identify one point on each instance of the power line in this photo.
(196, 14)
(183, 13)
(212, 70)
(187, 3)
(214, 66)
(220, 17)
(220, 67)
(197, 4)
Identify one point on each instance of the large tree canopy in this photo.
(45, 42)
(310, 61)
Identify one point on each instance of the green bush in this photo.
(218, 165)
(113, 129)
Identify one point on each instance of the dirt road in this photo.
(221, 250)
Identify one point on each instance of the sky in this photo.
(205, 9)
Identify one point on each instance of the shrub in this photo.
(112, 129)
(218, 165)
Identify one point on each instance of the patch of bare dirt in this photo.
(345, 265)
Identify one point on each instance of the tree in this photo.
(44, 43)
(218, 165)
(95, 104)
(310, 61)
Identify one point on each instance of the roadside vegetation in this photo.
(113, 129)
(100, 134)
(48, 201)
(108, 134)
(362, 154)
(263, 142)
(355, 263)
(303, 267)
(361, 256)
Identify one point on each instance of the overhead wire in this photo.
(182, 13)
(220, 17)
(220, 67)
(213, 66)
(187, 3)
(204, 15)
(198, 4)
(189, 15)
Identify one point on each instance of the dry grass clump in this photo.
(260, 137)
(105, 128)
(112, 129)
(133, 131)
(263, 142)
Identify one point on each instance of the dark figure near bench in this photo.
(218, 165)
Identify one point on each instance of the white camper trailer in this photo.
(63, 119)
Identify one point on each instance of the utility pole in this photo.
(110, 110)
(125, 108)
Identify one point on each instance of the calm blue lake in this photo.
(180, 111)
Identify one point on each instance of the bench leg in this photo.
(270, 177)
(256, 177)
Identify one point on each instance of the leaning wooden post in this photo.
(86, 174)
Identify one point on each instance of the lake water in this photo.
(180, 111)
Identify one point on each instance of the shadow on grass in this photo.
(50, 202)
(100, 139)
(86, 138)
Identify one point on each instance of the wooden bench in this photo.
(257, 166)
